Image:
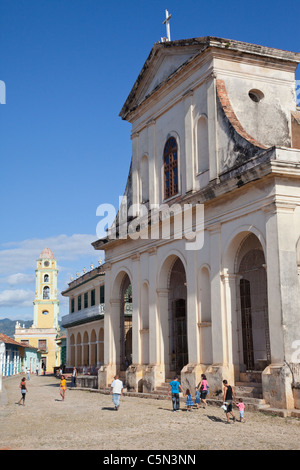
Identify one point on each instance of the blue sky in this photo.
(68, 67)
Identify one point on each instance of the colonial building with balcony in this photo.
(85, 322)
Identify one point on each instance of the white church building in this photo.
(215, 143)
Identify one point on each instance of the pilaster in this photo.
(188, 160)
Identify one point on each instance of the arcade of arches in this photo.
(87, 348)
(187, 318)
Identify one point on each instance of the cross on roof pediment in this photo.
(163, 61)
(166, 58)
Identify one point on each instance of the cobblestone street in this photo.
(87, 421)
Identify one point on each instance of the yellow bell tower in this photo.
(45, 302)
(43, 333)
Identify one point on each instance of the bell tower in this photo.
(43, 333)
(46, 302)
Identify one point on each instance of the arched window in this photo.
(46, 292)
(46, 278)
(171, 168)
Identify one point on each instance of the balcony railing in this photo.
(83, 316)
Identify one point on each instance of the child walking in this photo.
(189, 401)
(241, 407)
(23, 391)
(63, 387)
(197, 398)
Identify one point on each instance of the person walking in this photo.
(228, 399)
(203, 388)
(63, 387)
(175, 387)
(23, 391)
(241, 407)
(197, 398)
(37, 369)
(74, 376)
(116, 389)
(189, 401)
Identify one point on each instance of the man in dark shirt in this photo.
(228, 398)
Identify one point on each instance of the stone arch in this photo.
(121, 301)
(117, 282)
(235, 240)
(172, 294)
(245, 266)
(166, 267)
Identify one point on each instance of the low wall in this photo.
(87, 381)
(296, 394)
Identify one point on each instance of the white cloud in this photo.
(24, 254)
(16, 298)
(20, 278)
(18, 264)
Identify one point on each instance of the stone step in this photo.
(251, 404)
(293, 413)
(253, 376)
(248, 389)
(248, 384)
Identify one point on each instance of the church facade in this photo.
(43, 333)
(207, 235)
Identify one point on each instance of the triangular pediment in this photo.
(167, 64)
(164, 60)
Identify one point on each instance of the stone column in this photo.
(191, 373)
(136, 353)
(221, 367)
(212, 127)
(217, 310)
(153, 189)
(153, 314)
(187, 154)
(192, 308)
(134, 168)
(163, 333)
(134, 373)
(154, 372)
(231, 333)
(111, 334)
(283, 302)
